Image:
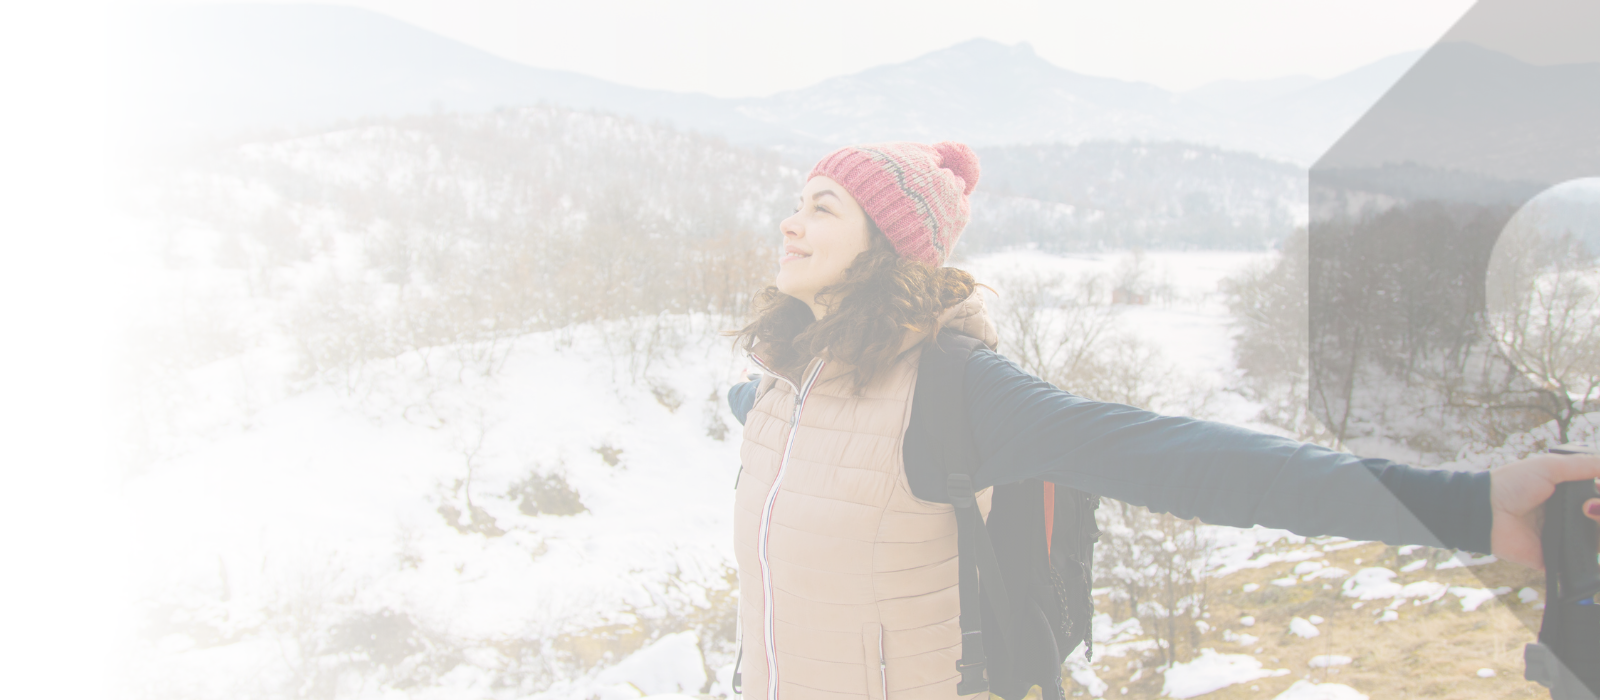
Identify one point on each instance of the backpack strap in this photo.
(938, 406)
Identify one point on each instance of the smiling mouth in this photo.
(793, 256)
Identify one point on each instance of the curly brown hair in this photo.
(881, 297)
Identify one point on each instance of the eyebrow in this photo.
(818, 195)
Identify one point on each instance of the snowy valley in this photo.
(393, 433)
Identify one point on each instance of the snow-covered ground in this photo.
(326, 510)
(415, 534)
(350, 509)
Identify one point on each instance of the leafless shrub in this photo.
(339, 327)
(1271, 341)
(716, 424)
(471, 426)
(1066, 332)
(637, 344)
(1137, 280)
(1155, 566)
(545, 218)
(1050, 326)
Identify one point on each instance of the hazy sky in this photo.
(730, 48)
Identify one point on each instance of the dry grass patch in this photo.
(1433, 649)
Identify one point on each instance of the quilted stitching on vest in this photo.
(858, 565)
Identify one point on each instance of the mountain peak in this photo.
(986, 49)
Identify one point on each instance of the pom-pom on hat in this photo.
(915, 192)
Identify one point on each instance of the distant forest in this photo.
(1108, 195)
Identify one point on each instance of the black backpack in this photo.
(1026, 573)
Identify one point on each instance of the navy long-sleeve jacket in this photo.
(1025, 428)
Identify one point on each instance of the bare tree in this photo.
(1137, 280)
(1052, 326)
(1543, 299)
(1066, 332)
(1271, 345)
(1155, 565)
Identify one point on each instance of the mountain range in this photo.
(216, 70)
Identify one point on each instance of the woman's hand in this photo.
(1517, 492)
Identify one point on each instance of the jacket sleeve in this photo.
(1222, 474)
(742, 397)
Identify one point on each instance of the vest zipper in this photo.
(767, 596)
(883, 666)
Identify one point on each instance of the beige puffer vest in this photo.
(847, 582)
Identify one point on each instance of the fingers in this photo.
(1591, 508)
(1574, 467)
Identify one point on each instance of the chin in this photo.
(787, 289)
(784, 283)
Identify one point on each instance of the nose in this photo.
(790, 227)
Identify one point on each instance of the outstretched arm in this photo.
(1221, 474)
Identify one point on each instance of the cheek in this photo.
(831, 269)
(836, 264)
(845, 252)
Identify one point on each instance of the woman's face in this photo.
(820, 240)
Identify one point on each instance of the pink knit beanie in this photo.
(916, 193)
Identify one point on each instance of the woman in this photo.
(847, 572)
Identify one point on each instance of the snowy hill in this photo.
(399, 391)
(1051, 197)
(442, 530)
(435, 405)
(432, 407)
(557, 529)
(213, 70)
(436, 526)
